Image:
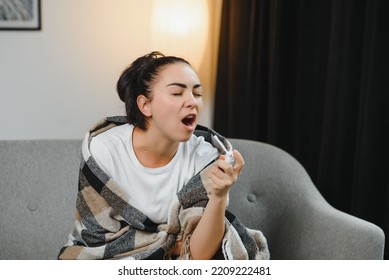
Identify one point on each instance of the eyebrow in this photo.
(183, 85)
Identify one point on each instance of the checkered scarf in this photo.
(108, 227)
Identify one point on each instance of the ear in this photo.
(143, 103)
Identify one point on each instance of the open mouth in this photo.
(189, 120)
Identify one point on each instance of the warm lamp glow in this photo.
(180, 28)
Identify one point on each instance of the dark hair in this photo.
(137, 80)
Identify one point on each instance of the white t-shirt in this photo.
(151, 190)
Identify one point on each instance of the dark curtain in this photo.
(311, 77)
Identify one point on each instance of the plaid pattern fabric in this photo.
(108, 227)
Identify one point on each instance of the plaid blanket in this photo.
(108, 227)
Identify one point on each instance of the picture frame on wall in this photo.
(20, 15)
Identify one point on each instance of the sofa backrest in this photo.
(38, 186)
(272, 184)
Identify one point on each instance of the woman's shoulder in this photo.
(117, 133)
(108, 141)
(106, 147)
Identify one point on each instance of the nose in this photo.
(191, 101)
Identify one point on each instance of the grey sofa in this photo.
(274, 193)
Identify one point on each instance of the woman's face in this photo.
(176, 100)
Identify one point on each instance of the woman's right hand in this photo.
(220, 176)
(217, 179)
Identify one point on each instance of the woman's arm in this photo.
(206, 238)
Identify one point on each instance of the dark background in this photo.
(311, 77)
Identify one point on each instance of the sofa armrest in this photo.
(323, 232)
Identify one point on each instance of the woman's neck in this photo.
(152, 151)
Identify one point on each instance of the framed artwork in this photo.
(20, 15)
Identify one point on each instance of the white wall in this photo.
(55, 83)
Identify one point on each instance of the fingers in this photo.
(226, 170)
(239, 163)
(223, 177)
(220, 176)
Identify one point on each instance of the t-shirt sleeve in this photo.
(101, 155)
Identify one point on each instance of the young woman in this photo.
(153, 185)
